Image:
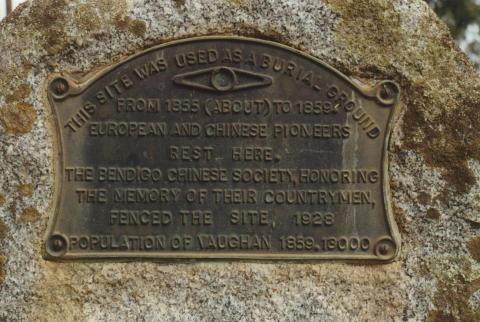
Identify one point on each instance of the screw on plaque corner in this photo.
(385, 249)
(56, 245)
(59, 87)
(387, 92)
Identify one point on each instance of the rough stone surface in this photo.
(434, 166)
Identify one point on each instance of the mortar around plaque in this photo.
(222, 147)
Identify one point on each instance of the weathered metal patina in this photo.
(222, 147)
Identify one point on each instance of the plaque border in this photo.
(77, 85)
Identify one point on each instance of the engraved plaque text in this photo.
(221, 147)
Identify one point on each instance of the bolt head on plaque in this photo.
(56, 245)
(59, 87)
(386, 249)
(387, 92)
(223, 79)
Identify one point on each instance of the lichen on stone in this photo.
(3, 229)
(179, 3)
(18, 119)
(424, 198)
(433, 213)
(400, 218)
(452, 300)
(444, 128)
(29, 215)
(18, 94)
(473, 246)
(449, 139)
(440, 316)
(25, 189)
(125, 23)
(3, 261)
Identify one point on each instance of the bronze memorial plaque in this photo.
(222, 147)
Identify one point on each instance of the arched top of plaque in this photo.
(222, 147)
